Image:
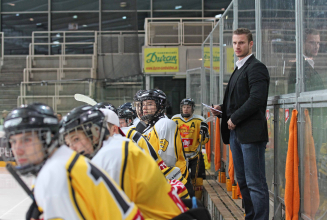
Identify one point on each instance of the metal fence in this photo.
(290, 38)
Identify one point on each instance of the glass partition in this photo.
(269, 155)
(246, 18)
(290, 40)
(314, 175)
(284, 118)
(314, 45)
(278, 45)
(205, 76)
(193, 88)
(228, 45)
(216, 66)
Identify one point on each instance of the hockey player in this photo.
(126, 117)
(134, 170)
(107, 105)
(162, 132)
(173, 174)
(194, 133)
(135, 119)
(67, 185)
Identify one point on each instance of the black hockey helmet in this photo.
(33, 120)
(187, 101)
(160, 99)
(129, 106)
(88, 119)
(126, 114)
(106, 105)
(138, 94)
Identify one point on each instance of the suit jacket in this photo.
(312, 79)
(248, 101)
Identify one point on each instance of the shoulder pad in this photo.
(176, 116)
(199, 117)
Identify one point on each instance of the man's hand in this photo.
(231, 126)
(218, 107)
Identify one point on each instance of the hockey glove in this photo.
(194, 214)
(33, 212)
(204, 129)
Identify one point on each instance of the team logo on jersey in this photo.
(162, 165)
(163, 144)
(186, 130)
(187, 142)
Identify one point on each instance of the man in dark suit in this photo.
(312, 79)
(244, 125)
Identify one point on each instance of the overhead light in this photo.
(56, 42)
(11, 4)
(31, 19)
(223, 9)
(124, 17)
(84, 25)
(75, 16)
(57, 35)
(178, 7)
(38, 24)
(226, 16)
(218, 16)
(17, 14)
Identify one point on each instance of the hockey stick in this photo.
(209, 119)
(197, 166)
(85, 99)
(19, 180)
(140, 127)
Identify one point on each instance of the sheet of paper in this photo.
(208, 106)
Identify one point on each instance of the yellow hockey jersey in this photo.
(165, 139)
(189, 129)
(171, 173)
(70, 187)
(139, 177)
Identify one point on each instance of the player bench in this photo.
(219, 202)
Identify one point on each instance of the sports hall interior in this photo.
(51, 50)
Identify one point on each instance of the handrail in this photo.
(181, 29)
(2, 48)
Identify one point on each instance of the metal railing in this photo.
(62, 37)
(54, 94)
(2, 48)
(44, 73)
(177, 31)
(120, 37)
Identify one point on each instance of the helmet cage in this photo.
(160, 105)
(187, 101)
(90, 120)
(48, 144)
(126, 114)
(95, 132)
(138, 108)
(128, 106)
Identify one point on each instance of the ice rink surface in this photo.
(14, 202)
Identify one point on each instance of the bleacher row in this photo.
(52, 78)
